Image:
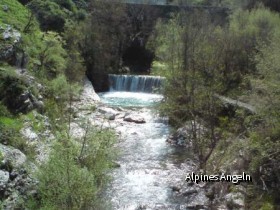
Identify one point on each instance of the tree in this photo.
(49, 56)
(49, 15)
(190, 48)
(265, 139)
(75, 64)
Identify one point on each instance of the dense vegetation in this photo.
(51, 48)
(239, 59)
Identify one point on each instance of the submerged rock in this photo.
(134, 118)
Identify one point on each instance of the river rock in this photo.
(107, 110)
(189, 192)
(235, 200)
(110, 116)
(134, 118)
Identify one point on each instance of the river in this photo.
(151, 173)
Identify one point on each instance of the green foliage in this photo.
(168, 43)
(49, 57)
(58, 87)
(10, 134)
(63, 183)
(265, 139)
(97, 155)
(189, 47)
(102, 48)
(202, 60)
(67, 4)
(74, 174)
(11, 87)
(16, 15)
(159, 69)
(4, 112)
(49, 15)
(75, 69)
(59, 94)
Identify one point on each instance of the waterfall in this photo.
(135, 83)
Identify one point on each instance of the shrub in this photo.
(49, 15)
(75, 172)
(63, 183)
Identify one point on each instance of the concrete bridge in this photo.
(185, 4)
(144, 14)
(149, 2)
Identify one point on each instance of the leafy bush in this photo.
(74, 173)
(67, 4)
(60, 93)
(4, 112)
(10, 134)
(49, 15)
(17, 15)
(11, 87)
(75, 69)
(63, 183)
(49, 57)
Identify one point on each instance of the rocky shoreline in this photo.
(17, 181)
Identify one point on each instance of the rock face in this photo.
(87, 100)
(27, 102)
(11, 39)
(134, 118)
(16, 94)
(15, 183)
(88, 92)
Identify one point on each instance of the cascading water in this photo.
(149, 167)
(135, 83)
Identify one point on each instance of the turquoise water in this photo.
(130, 99)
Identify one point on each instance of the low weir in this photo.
(135, 83)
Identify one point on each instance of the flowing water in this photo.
(135, 83)
(149, 167)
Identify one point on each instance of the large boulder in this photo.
(134, 118)
(12, 158)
